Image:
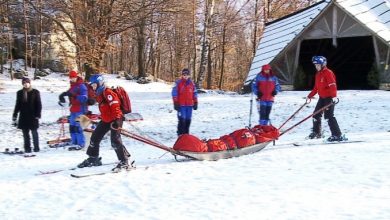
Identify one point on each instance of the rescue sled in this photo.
(210, 156)
(224, 154)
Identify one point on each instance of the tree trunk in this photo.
(40, 39)
(209, 10)
(194, 39)
(10, 42)
(209, 71)
(25, 35)
(222, 57)
(141, 48)
(255, 29)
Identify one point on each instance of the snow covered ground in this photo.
(340, 181)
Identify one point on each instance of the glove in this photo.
(62, 97)
(274, 93)
(91, 101)
(259, 94)
(335, 100)
(14, 123)
(118, 123)
(176, 106)
(195, 107)
(60, 103)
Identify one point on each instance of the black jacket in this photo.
(30, 109)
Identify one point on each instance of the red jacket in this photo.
(184, 93)
(325, 84)
(109, 106)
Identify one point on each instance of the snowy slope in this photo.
(345, 181)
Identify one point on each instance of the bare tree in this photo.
(206, 37)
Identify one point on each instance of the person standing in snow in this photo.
(28, 104)
(78, 97)
(265, 86)
(185, 99)
(326, 87)
(111, 115)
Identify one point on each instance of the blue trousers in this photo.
(264, 109)
(76, 132)
(184, 116)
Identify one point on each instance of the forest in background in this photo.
(215, 39)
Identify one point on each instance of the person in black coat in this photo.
(28, 104)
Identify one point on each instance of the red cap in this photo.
(266, 67)
(72, 74)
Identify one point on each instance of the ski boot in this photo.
(314, 135)
(90, 162)
(75, 148)
(337, 138)
(123, 165)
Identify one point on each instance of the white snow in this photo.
(340, 181)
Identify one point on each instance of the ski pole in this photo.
(251, 105)
(315, 113)
(250, 110)
(299, 109)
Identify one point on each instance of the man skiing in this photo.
(78, 97)
(326, 87)
(28, 104)
(265, 87)
(185, 98)
(109, 107)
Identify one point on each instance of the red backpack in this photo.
(229, 141)
(123, 98)
(91, 94)
(266, 132)
(244, 138)
(187, 142)
(216, 145)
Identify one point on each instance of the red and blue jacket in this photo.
(184, 92)
(78, 96)
(325, 84)
(266, 84)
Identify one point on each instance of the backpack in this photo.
(243, 137)
(123, 99)
(216, 145)
(91, 94)
(188, 142)
(266, 132)
(229, 141)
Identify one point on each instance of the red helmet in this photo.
(72, 74)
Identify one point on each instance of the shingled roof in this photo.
(374, 15)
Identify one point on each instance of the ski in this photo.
(297, 144)
(67, 169)
(16, 151)
(27, 155)
(82, 175)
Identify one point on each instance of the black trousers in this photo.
(328, 115)
(26, 137)
(116, 141)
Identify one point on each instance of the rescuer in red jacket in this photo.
(265, 86)
(111, 114)
(326, 87)
(185, 99)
